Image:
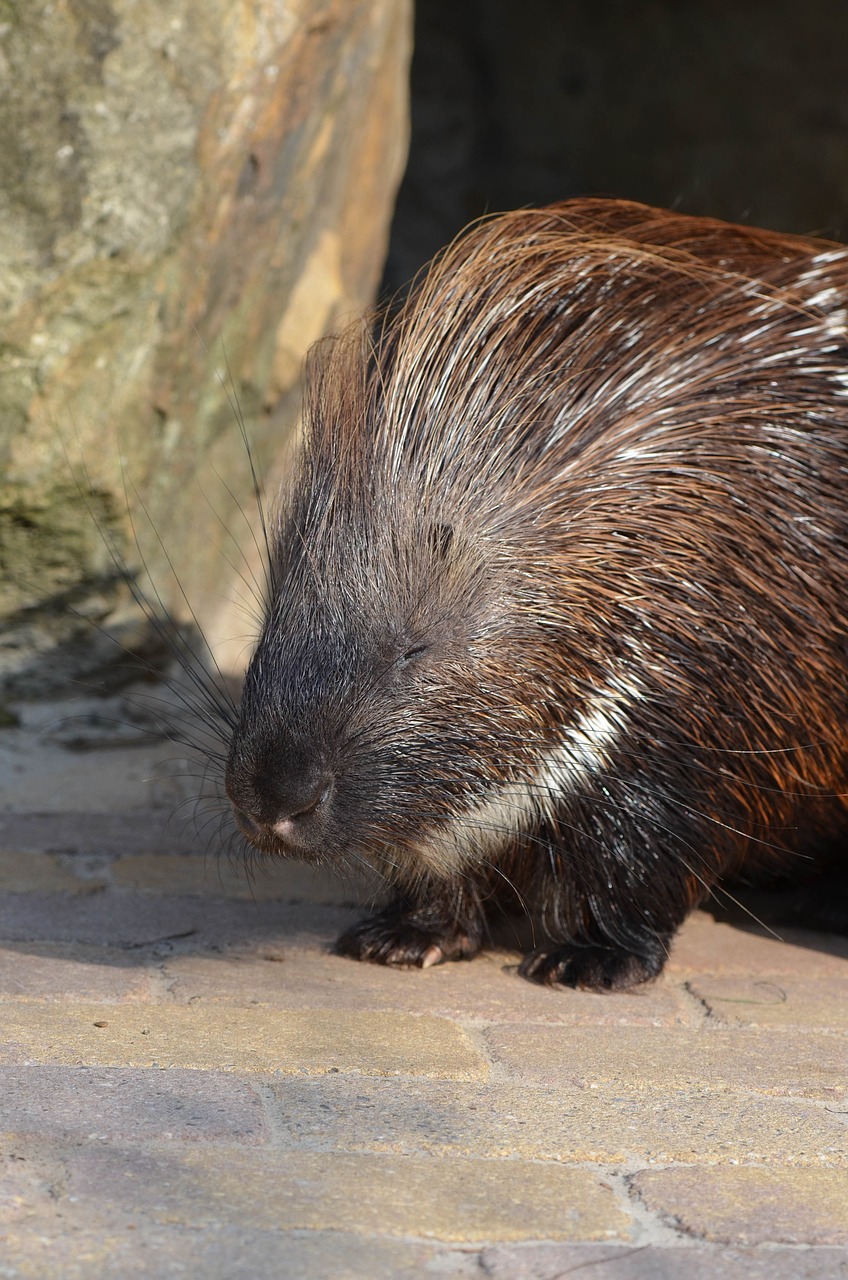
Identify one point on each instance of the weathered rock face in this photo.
(191, 192)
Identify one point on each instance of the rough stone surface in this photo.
(705, 946)
(647, 1262)
(45, 1251)
(194, 875)
(773, 1000)
(126, 1106)
(220, 878)
(119, 919)
(88, 831)
(230, 1039)
(308, 1116)
(811, 1065)
(52, 790)
(289, 978)
(68, 972)
(190, 194)
(751, 1206)
(571, 1125)
(448, 1200)
(39, 873)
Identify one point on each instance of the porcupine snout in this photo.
(281, 799)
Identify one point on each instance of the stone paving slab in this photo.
(744, 1206)
(812, 1065)
(148, 853)
(42, 1251)
(453, 1200)
(179, 874)
(232, 1039)
(705, 946)
(41, 873)
(574, 1126)
(648, 1262)
(773, 1000)
(90, 832)
(123, 919)
(69, 971)
(311, 1117)
(488, 991)
(425, 1117)
(123, 1105)
(262, 881)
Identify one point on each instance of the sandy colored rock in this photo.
(751, 1206)
(190, 195)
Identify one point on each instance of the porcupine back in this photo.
(594, 471)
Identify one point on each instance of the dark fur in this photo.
(559, 591)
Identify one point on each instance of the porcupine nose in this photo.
(286, 805)
(298, 804)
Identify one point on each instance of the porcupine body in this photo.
(559, 590)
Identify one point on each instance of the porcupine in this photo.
(558, 603)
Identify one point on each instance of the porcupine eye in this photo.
(409, 655)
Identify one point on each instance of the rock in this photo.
(190, 194)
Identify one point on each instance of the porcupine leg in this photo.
(614, 903)
(612, 941)
(444, 924)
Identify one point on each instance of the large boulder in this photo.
(191, 192)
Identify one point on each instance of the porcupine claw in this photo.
(592, 967)
(396, 938)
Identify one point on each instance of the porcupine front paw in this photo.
(594, 968)
(406, 940)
